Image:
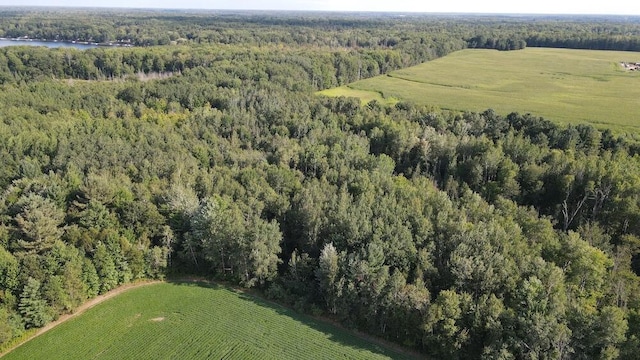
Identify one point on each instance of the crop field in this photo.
(562, 85)
(195, 321)
(365, 96)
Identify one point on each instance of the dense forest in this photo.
(461, 235)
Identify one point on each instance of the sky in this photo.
(459, 6)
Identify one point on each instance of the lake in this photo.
(49, 44)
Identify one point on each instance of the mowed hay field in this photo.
(195, 321)
(562, 85)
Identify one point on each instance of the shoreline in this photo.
(106, 44)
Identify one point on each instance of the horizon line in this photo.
(98, 7)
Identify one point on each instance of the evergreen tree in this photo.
(32, 306)
(39, 222)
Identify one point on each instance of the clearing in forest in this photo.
(562, 85)
(195, 321)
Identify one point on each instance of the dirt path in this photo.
(81, 309)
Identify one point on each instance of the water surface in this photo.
(49, 44)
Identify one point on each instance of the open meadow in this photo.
(195, 321)
(562, 85)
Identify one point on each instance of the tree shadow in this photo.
(333, 332)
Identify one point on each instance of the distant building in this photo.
(632, 66)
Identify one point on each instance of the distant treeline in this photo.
(409, 34)
(573, 32)
(593, 42)
(482, 42)
(321, 68)
(570, 41)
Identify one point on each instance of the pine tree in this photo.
(32, 306)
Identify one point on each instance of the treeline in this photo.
(417, 40)
(417, 37)
(573, 32)
(319, 68)
(503, 44)
(589, 41)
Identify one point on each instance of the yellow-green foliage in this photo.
(189, 321)
(563, 85)
(364, 95)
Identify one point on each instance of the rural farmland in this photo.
(195, 321)
(562, 85)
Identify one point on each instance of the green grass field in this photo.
(364, 95)
(191, 321)
(562, 85)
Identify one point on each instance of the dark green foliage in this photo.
(38, 221)
(11, 325)
(238, 246)
(105, 268)
(32, 306)
(8, 271)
